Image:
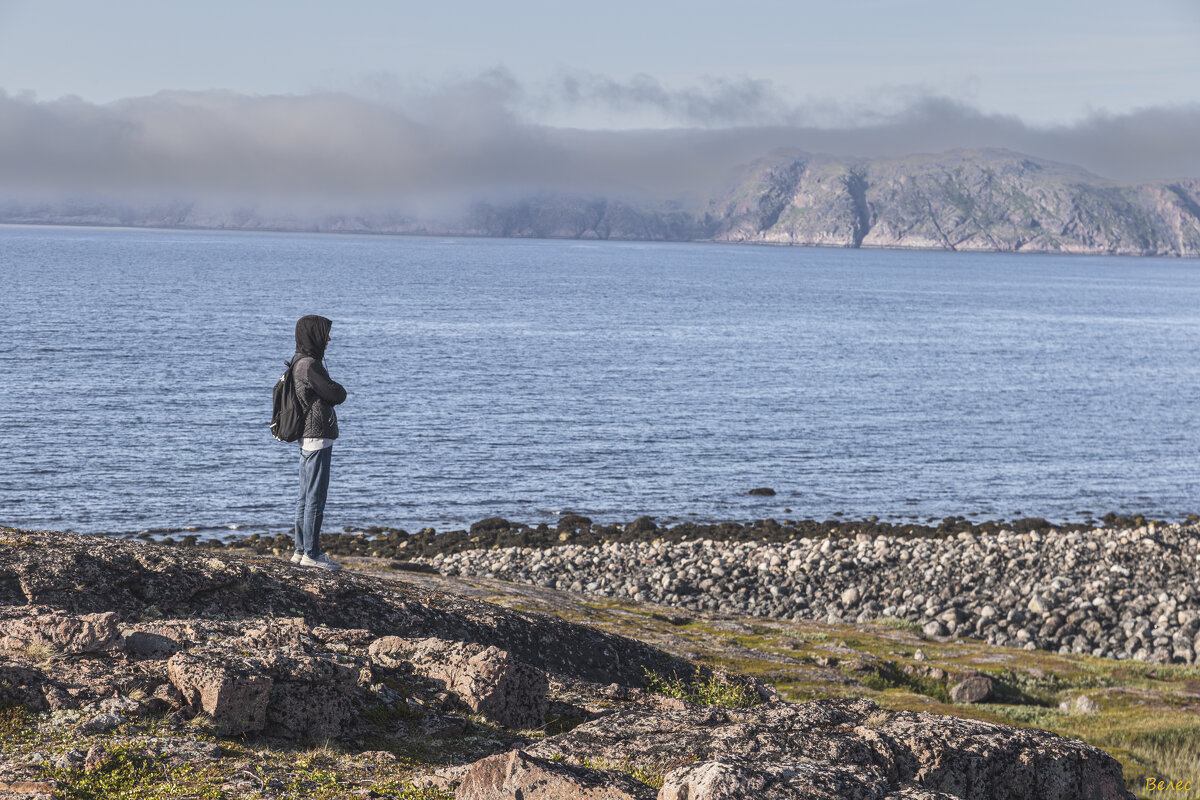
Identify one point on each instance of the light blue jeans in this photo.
(314, 484)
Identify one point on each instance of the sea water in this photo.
(523, 378)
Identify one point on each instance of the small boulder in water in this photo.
(642, 525)
(572, 521)
(491, 524)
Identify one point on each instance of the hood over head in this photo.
(311, 332)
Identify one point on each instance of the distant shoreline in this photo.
(471, 236)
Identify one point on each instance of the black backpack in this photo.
(287, 415)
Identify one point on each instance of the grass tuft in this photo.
(712, 691)
(40, 652)
(898, 624)
(319, 756)
(878, 719)
(203, 722)
(651, 775)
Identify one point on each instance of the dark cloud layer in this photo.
(471, 139)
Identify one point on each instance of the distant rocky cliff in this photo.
(978, 200)
(964, 200)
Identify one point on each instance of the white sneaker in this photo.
(296, 557)
(323, 561)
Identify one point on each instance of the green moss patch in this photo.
(127, 774)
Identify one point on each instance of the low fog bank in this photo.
(430, 154)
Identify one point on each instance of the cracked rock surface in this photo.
(100, 633)
(848, 749)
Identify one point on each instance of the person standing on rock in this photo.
(318, 394)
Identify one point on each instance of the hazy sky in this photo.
(1046, 61)
(447, 100)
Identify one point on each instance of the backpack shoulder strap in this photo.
(292, 374)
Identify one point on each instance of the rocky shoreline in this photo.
(123, 663)
(1125, 590)
(1114, 593)
(379, 541)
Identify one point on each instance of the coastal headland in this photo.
(230, 672)
(983, 200)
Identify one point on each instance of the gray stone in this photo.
(72, 759)
(97, 754)
(1081, 704)
(121, 705)
(935, 628)
(143, 644)
(312, 696)
(974, 689)
(103, 723)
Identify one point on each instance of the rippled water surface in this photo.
(520, 378)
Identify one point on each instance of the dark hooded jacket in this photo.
(318, 392)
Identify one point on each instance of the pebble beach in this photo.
(1126, 589)
(1115, 593)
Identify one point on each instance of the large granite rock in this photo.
(516, 774)
(65, 634)
(165, 590)
(284, 692)
(232, 690)
(487, 679)
(313, 697)
(728, 780)
(840, 749)
(973, 689)
(267, 648)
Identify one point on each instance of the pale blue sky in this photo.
(1052, 61)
